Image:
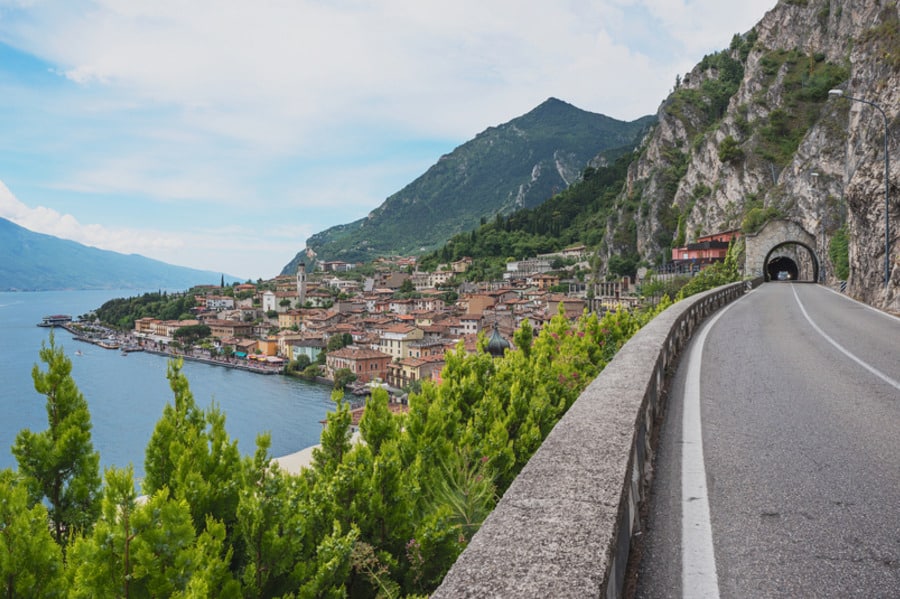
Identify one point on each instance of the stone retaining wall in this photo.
(563, 529)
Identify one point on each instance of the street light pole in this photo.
(839, 93)
(821, 254)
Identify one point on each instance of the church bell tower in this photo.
(301, 284)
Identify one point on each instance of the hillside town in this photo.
(391, 328)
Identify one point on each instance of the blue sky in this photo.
(220, 134)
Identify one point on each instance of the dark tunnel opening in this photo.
(782, 268)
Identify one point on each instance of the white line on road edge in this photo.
(698, 559)
(840, 347)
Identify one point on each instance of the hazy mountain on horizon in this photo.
(31, 261)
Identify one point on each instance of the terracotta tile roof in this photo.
(358, 353)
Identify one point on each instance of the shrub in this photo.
(730, 151)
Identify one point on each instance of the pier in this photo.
(55, 320)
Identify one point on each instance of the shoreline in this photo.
(214, 362)
(294, 463)
(128, 344)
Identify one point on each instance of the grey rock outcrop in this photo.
(780, 146)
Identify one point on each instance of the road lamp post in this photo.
(839, 93)
(820, 262)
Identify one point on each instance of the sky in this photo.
(220, 134)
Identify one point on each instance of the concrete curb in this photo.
(563, 529)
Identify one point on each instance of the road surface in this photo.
(778, 472)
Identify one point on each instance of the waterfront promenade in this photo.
(126, 343)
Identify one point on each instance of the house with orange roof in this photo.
(268, 346)
(410, 370)
(290, 319)
(366, 364)
(395, 339)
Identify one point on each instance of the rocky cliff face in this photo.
(751, 133)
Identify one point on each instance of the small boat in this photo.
(78, 352)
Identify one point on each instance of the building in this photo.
(523, 268)
(301, 284)
(311, 348)
(162, 328)
(290, 319)
(218, 302)
(336, 266)
(707, 249)
(410, 370)
(268, 346)
(395, 340)
(229, 328)
(470, 323)
(544, 281)
(366, 364)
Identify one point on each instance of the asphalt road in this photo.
(795, 393)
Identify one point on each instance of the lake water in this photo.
(126, 394)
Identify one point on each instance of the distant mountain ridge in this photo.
(32, 261)
(519, 164)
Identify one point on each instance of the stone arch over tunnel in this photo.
(777, 241)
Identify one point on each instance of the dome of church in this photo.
(497, 344)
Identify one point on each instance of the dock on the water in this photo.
(55, 320)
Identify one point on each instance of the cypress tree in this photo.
(59, 465)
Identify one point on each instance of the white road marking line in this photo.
(698, 559)
(839, 347)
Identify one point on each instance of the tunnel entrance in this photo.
(791, 261)
(782, 268)
(782, 246)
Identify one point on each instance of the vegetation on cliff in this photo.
(574, 216)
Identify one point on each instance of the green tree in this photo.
(730, 150)
(839, 253)
(719, 273)
(30, 561)
(271, 532)
(343, 377)
(59, 465)
(191, 454)
(298, 365)
(191, 334)
(334, 442)
(378, 424)
(149, 550)
(336, 342)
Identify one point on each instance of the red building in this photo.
(707, 249)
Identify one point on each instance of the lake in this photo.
(126, 394)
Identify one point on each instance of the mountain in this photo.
(32, 261)
(739, 139)
(519, 164)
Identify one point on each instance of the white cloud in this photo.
(268, 113)
(276, 69)
(49, 221)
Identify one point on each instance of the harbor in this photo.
(109, 339)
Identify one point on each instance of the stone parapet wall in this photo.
(563, 529)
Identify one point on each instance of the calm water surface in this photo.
(126, 394)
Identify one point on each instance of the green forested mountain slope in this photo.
(519, 164)
(32, 261)
(577, 215)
